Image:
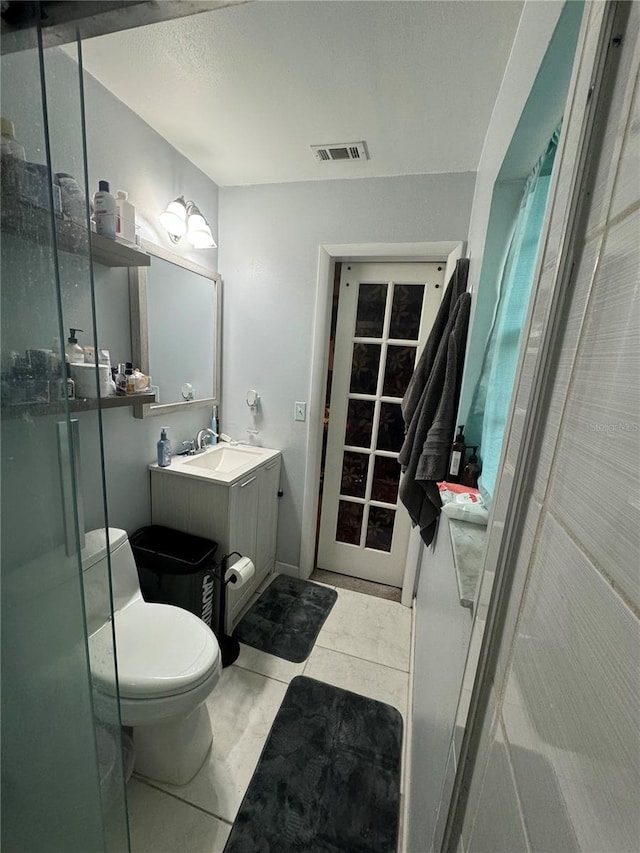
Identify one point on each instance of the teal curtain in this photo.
(492, 396)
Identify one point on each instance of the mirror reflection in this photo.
(177, 329)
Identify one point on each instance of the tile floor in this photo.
(363, 646)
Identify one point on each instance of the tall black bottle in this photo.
(457, 459)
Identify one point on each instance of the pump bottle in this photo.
(164, 449)
(73, 350)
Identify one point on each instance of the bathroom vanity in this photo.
(228, 494)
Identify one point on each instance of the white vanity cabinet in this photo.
(240, 516)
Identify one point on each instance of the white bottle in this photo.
(73, 350)
(126, 217)
(104, 211)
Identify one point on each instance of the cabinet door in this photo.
(267, 527)
(242, 516)
(243, 509)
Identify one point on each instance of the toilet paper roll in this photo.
(240, 572)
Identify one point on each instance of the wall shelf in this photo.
(33, 224)
(35, 409)
(113, 253)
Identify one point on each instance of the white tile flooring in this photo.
(363, 646)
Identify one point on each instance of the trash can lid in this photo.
(162, 650)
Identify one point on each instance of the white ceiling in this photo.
(244, 91)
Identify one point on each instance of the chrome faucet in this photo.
(201, 438)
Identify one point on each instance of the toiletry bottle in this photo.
(104, 213)
(164, 449)
(72, 198)
(71, 385)
(471, 470)
(130, 387)
(125, 217)
(12, 157)
(73, 350)
(121, 379)
(214, 425)
(457, 461)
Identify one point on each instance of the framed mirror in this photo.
(176, 330)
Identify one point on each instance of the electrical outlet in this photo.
(300, 411)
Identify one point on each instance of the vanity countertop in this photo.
(223, 464)
(468, 541)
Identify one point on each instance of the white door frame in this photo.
(446, 252)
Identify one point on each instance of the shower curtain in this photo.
(492, 395)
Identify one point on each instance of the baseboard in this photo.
(287, 569)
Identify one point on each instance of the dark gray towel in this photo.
(427, 446)
(456, 287)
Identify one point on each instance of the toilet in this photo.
(168, 662)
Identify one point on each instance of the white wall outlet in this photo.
(300, 411)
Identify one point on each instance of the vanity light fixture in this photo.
(183, 219)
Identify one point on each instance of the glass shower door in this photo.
(62, 778)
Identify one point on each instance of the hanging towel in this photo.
(426, 449)
(456, 287)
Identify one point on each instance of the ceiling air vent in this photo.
(340, 151)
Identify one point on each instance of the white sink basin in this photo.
(225, 460)
(221, 463)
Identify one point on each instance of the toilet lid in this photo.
(161, 650)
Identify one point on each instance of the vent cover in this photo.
(340, 151)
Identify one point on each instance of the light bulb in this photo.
(198, 231)
(174, 218)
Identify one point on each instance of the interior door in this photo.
(385, 313)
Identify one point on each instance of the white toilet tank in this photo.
(95, 575)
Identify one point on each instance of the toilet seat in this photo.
(162, 651)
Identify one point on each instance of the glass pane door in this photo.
(62, 780)
(385, 312)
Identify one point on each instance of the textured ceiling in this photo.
(244, 91)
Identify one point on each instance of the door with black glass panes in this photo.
(385, 313)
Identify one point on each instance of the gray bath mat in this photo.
(328, 779)
(287, 618)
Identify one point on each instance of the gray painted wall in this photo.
(269, 241)
(124, 150)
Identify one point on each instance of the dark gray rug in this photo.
(328, 779)
(287, 618)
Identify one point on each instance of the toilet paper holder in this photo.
(229, 646)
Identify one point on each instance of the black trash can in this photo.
(176, 568)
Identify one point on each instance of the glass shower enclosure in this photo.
(63, 783)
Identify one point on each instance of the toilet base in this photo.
(173, 751)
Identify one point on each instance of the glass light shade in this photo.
(198, 231)
(174, 218)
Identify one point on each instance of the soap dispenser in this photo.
(164, 449)
(73, 350)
